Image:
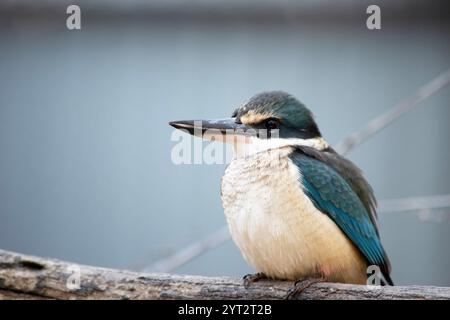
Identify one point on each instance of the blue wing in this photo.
(332, 195)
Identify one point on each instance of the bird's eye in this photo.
(271, 124)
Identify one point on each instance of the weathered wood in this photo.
(29, 277)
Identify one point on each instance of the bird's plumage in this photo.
(278, 228)
(333, 195)
(351, 173)
(295, 119)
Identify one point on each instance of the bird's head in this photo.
(266, 121)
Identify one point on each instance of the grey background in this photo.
(85, 167)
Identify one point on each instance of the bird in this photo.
(295, 208)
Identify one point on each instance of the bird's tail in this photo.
(387, 281)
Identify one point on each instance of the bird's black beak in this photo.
(220, 129)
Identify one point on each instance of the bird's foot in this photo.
(250, 278)
(301, 285)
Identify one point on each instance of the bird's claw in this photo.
(250, 278)
(301, 285)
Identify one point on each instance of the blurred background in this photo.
(85, 149)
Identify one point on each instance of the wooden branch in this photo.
(29, 277)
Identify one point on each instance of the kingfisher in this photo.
(295, 207)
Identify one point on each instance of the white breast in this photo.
(276, 226)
